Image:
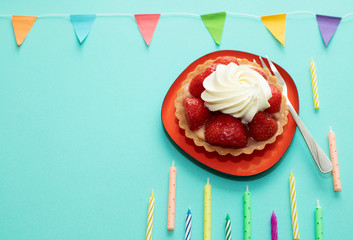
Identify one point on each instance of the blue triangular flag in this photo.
(82, 25)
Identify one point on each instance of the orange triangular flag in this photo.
(276, 24)
(21, 27)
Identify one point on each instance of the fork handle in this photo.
(320, 158)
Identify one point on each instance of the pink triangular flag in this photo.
(328, 26)
(147, 23)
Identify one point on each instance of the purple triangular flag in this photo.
(328, 26)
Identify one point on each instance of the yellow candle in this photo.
(314, 85)
(207, 212)
(293, 205)
(171, 198)
(150, 218)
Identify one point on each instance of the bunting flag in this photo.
(328, 26)
(276, 24)
(21, 27)
(82, 25)
(147, 24)
(214, 23)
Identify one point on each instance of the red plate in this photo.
(242, 165)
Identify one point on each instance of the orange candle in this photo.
(334, 160)
(171, 199)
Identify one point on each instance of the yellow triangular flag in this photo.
(21, 27)
(276, 24)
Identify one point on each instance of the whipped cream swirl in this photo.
(236, 90)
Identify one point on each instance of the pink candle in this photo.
(274, 232)
(171, 199)
(334, 160)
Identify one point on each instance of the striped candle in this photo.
(188, 225)
(207, 212)
(171, 198)
(318, 223)
(314, 85)
(150, 217)
(293, 204)
(247, 214)
(274, 231)
(228, 228)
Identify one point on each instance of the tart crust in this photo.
(198, 136)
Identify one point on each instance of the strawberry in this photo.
(196, 85)
(196, 112)
(262, 127)
(275, 100)
(226, 60)
(226, 130)
(261, 72)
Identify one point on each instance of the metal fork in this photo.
(320, 158)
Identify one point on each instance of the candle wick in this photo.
(247, 188)
(318, 203)
(208, 180)
(173, 164)
(330, 128)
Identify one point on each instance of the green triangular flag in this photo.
(214, 23)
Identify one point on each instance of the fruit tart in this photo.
(231, 106)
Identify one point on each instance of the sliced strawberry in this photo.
(226, 130)
(261, 72)
(275, 100)
(196, 112)
(226, 60)
(196, 85)
(262, 127)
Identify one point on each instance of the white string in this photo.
(184, 14)
(114, 14)
(301, 12)
(53, 15)
(243, 14)
(347, 15)
(170, 14)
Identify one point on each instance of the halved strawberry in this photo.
(262, 127)
(226, 60)
(196, 85)
(261, 72)
(196, 112)
(226, 130)
(275, 100)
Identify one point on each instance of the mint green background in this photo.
(81, 138)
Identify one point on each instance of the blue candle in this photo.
(188, 225)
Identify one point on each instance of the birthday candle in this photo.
(334, 160)
(228, 228)
(188, 225)
(318, 222)
(314, 85)
(274, 231)
(293, 204)
(171, 199)
(150, 217)
(247, 215)
(207, 212)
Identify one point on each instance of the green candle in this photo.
(318, 222)
(247, 215)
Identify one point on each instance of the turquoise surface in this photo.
(81, 139)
